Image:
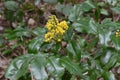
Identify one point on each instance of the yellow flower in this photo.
(117, 33)
(52, 22)
(63, 25)
(55, 29)
(59, 40)
(60, 30)
(49, 26)
(48, 36)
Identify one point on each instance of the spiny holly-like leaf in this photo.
(92, 27)
(109, 59)
(104, 37)
(51, 1)
(39, 31)
(72, 67)
(54, 67)
(108, 76)
(37, 67)
(18, 67)
(73, 50)
(35, 44)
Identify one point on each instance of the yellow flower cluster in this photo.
(117, 33)
(55, 29)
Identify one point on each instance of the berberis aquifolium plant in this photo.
(81, 44)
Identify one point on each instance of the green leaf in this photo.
(65, 9)
(54, 67)
(9, 15)
(86, 24)
(19, 15)
(56, 48)
(92, 27)
(108, 25)
(108, 76)
(71, 66)
(51, 1)
(87, 5)
(78, 26)
(73, 49)
(116, 10)
(116, 42)
(82, 25)
(81, 42)
(104, 11)
(97, 14)
(101, 4)
(39, 31)
(10, 35)
(11, 5)
(109, 59)
(37, 67)
(75, 12)
(73, 77)
(104, 37)
(112, 2)
(18, 32)
(79, 9)
(69, 34)
(112, 62)
(34, 44)
(18, 67)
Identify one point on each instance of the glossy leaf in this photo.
(16, 33)
(82, 25)
(92, 27)
(87, 5)
(116, 42)
(109, 76)
(109, 59)
(37, 67)
(104, 37)
(116, 10)
(71, 66)
(39, 31)
(69, 34)
(51, 1)
(103, 11)
(65, 9)
(86, 25)
(112, 2)
(74, 49)
(111, 62)
(79, 9)
(18, 67)
(75, 12)
(54, 67)
(34, 44)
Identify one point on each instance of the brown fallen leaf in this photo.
(4, 62)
